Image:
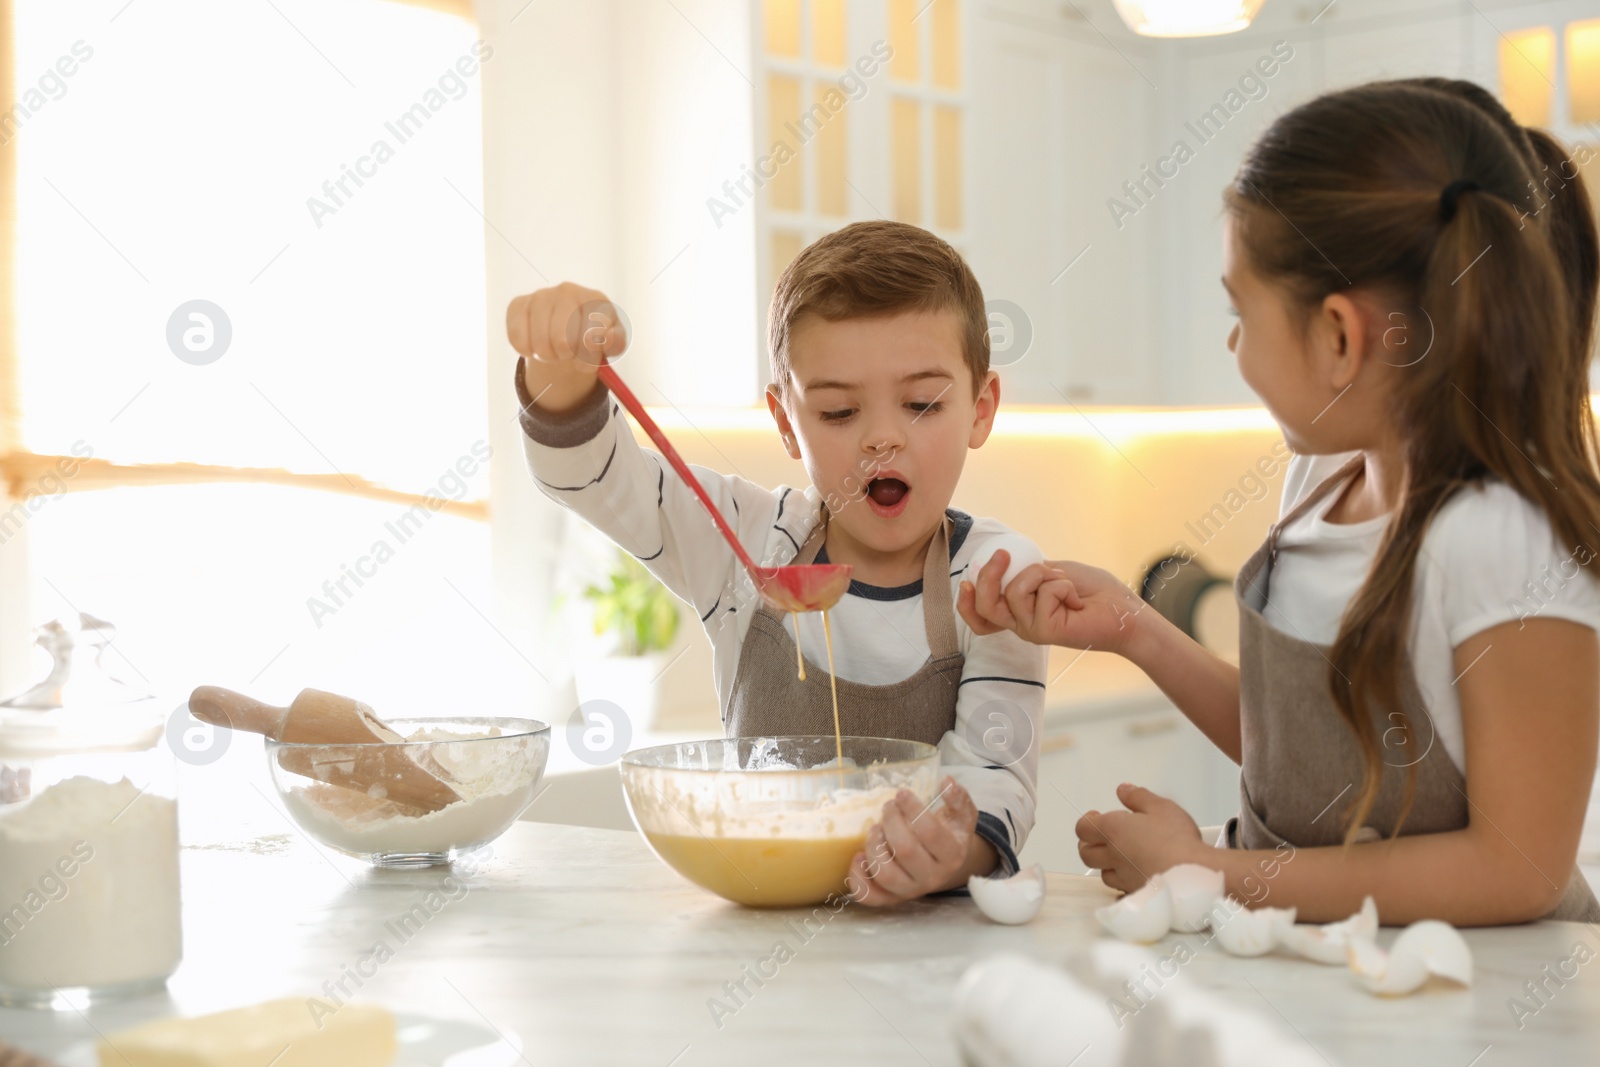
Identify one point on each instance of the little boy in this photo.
(881, 383)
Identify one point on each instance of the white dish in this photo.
(424, 1041)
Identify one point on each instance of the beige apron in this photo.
(1301, 765)
(768, 698)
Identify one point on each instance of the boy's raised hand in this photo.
(917, 849)
(1056, 603)
(566, 332)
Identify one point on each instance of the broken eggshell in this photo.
(1142, 916)
(1330, 943)
(1195, 892)
(1242, 931)
(1423, 948)
(1011, 901)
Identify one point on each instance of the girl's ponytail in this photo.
(1571, 224)
(1572, 228)
(1562, 199)
(1560, 194)
(1486, 406)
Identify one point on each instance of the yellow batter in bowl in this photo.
(770, 821)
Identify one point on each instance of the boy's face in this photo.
(882, 411)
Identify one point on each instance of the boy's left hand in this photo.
(915, 851)
(1127, 847)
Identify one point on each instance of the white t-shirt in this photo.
(888, 638)
(1489, 556)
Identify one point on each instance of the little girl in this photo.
(1416, 705)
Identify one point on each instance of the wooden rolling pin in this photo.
(368, 766)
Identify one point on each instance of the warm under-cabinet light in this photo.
(1528, 74)
(1187, 18)
(1583, 72)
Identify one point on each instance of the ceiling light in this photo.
(1187, 18)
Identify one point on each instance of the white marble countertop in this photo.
(582, 943)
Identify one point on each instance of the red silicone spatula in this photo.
(804, 587)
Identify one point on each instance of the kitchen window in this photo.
(243, 408)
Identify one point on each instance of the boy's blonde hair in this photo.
(878, 268)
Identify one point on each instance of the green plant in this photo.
(632, 604)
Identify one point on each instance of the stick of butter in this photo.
(279, 1033)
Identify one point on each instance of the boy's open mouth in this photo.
(887, 492)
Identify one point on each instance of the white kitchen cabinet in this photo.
(1067, 107)
(1404, 45)
(1491, 23)
(1198, 368)
(1060, 119)
(1082, 762)
(1063, 108)
(1498, 28)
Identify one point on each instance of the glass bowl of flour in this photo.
(493, 765)
(770, 821)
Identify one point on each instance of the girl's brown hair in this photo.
(1344, 193)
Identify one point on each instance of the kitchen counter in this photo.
(579, 941)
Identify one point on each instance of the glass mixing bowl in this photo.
(769, 821)
(494, 764)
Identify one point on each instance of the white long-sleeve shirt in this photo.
(588, 461)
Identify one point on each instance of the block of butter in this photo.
(282, 1033)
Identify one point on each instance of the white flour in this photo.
(496, 782)
(89, 887)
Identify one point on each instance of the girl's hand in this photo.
(915, 850)
(1058, 603)
(1127, 847)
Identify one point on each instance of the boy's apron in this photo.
(768, 698)
(1300, 762)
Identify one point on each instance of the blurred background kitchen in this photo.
(255, 402)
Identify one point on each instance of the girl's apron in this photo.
(768, 698)
(1300, 763)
